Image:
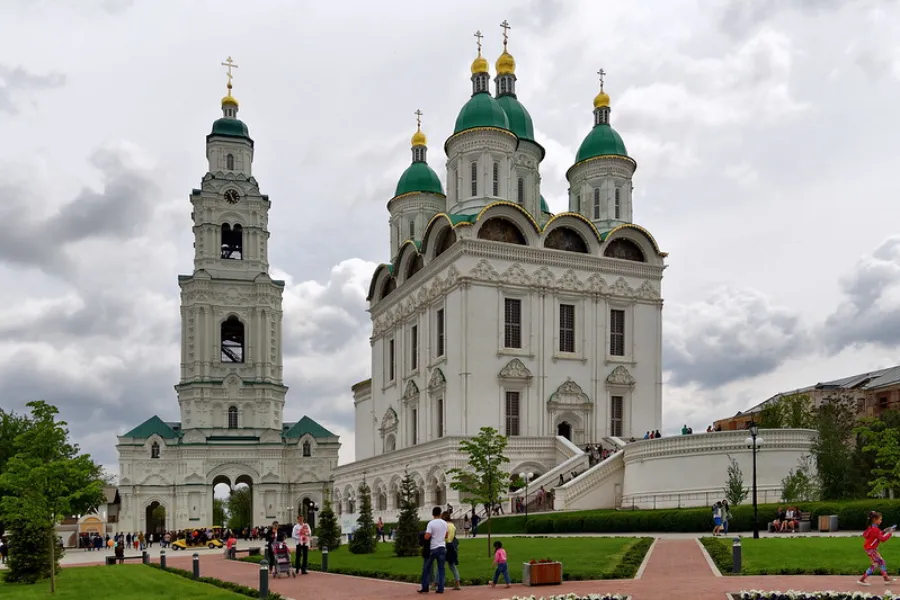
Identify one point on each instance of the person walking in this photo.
(435, 536)
(452, 550)
(301, 535)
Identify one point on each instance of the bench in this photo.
(112, 560)
(252, 551)
(804, 524)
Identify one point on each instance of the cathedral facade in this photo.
(495, 312)
(231, 392)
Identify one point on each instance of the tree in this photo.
(240, 508)
(882, 444)
(219, 514)
(485, 478)
(11, 426)
(833, 448)
(792, 411)
(364, 541)
(47, 479)
(801, 484)
(406, 540)
(735, 492)
(328, 529)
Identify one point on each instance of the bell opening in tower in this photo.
(232, 340)
(232, 242)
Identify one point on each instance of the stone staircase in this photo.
(599, 486)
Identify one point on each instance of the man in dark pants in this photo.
(301, 535)
(435, 536)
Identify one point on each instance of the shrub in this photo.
(631, 561)
(719, 554)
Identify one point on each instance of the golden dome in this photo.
(419, 139)
(229, 101)
(506, 64)
(480, 65)
(601, 100)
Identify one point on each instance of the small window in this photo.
(412, 229)
(617, 208)
(229, 162)
(617, 332)
(496, 179)
(440, 417)
(232, 417)
(520, 191)
(154, 450)
(596, 203)
(414, 347)
(474, 169)
(451, 184)
(439, 326)
(391, 361)
(512, 323)
(567, 328)
(307, 448)
(512, 413)
(616, 406)
(399, 234)
(414, 426)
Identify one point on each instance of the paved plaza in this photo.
(676, 567)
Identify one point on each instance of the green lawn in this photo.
(802, 555)
(123, 582)
(582, 558)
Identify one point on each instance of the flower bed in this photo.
(573, 597)
(795, 595)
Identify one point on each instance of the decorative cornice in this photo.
(569, 392)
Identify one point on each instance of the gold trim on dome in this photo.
(537, 228)
(578, 216)
(506, 131)
(405, 194)
(627, 159)
(639, 228)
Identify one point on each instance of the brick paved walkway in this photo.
(676, 568)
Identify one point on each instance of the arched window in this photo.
(232, 344)
(520, 193)
(232, 417)
(496, 179)
(498, 229)
(229, 162)
(446, 239)
(232, 242)
(307, 448)
(624, 249)
(474, 169)
(154, 450)
(412, 229)
(563, 238)
(596, 203)
(617, 209)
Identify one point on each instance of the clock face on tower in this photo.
(232, 196)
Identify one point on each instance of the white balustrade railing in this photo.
(573, 459)
(588, 481)
(719, 442)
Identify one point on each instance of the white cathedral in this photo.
(495, 312)
(231, 393)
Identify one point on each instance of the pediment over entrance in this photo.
(389, 421)
(411, 391)
(437, 380)
(515, 369)
(620, 376)
(569, 393)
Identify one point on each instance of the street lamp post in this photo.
(526, 477)
(753, 442)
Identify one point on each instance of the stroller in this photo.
(282, 559)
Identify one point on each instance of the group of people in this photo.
(597, 453)
(787, 519)
(721, 515)
(137, 540)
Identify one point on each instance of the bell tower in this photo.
(231, 361)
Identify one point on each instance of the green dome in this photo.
(482, 110)
(602, 140)
(544, 207)
(230, 128)
(419, 177)
(519, 119)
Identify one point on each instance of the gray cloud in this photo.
(738, 17)
(734, 334)
(16, 82)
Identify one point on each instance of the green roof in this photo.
(152, 425)
(544, 207)
(482, 110)
(456, 219)
(419, 177)
(304, 426)
(519, 120)
(230, 128)
(601, 141)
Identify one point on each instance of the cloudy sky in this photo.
(765, 132)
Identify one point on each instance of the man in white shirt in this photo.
(435, 536)
(301, 535)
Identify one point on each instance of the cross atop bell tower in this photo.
(231, 365)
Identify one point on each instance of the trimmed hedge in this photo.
(225, 585)
(852, 515)
(718, 552)
(631, 562)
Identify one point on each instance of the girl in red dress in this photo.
(873, 536)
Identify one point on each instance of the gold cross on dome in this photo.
(230, 65)
(479, 36)
(418, 114)
(506, 27)
(602, 74)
